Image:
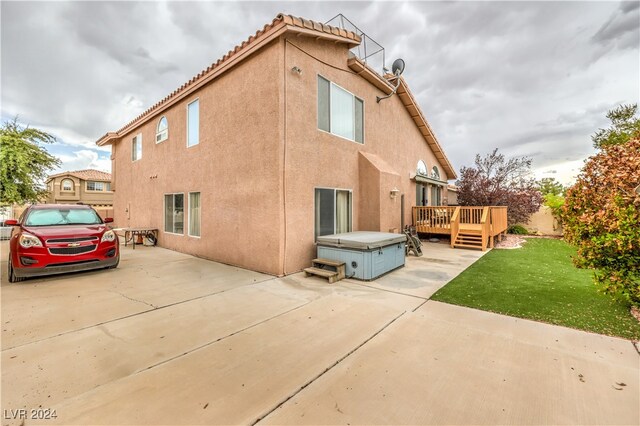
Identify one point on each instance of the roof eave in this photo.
(107, 139)
(286, 24)
(416, 114)
(366, 72)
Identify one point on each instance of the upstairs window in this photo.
(339, 111)
(193, 123)
(67, 185)
(435, 173)
(95, 186)
(136, 147)
(421, 169)
(162, 132)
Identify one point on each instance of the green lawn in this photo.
(539, 282)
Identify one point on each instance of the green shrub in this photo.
(601, 217)
(555, 203)
(517, 230)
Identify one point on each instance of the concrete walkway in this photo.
(171, 339)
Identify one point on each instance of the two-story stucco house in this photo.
(87, 186)
(279, 141)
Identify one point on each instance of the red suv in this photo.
(58, 238)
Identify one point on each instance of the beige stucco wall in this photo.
(315, 158)
(261, 156)
(236, 167)
(544, 222)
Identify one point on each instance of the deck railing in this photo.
(488, 221)
(455, 224)
(433, 220)
(471, 215)
(498, 221)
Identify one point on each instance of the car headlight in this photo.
(108, 236)
(28, 241)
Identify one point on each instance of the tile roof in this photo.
(87, 174)
(280, 23)
(278, 26)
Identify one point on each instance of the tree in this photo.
(24, 163)
(495, 181)
(552, 195)
(624, 126)
(550, 186)
(601, 216)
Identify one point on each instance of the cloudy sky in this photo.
(530, 78)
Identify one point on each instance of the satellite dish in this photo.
(398, 67)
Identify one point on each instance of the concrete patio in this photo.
(171, 339)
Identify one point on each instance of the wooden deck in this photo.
(469, 226)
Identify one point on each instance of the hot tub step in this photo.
(332, 276)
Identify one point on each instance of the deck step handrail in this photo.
(455, 225)
(485, 224)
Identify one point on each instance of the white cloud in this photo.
(531, 78)
(564, 172)
(83, 159)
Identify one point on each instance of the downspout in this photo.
(284, 160)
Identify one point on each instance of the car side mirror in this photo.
(11, 222)
(108, 220)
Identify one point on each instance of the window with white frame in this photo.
(422, 168)
(339, 111)
(193, 123)
(67, 185)
(95, 186)
(333, 211)
(108, 186)
(174, 213)
(136, 147)
(194, 214)
(162, 132)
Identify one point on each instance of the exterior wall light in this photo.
(394, 192)
(297, 70)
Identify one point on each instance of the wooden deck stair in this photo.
(468, 239)
(331, 269)
(475, 227)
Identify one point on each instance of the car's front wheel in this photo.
(11, 273)
(117, 263)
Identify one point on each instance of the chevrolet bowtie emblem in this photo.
(73, 244)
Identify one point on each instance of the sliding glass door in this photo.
(333, 211)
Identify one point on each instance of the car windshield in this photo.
(48, 217)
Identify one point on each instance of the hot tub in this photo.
(367, 255)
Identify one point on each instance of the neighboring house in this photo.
(276, 143)
(89, 186)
